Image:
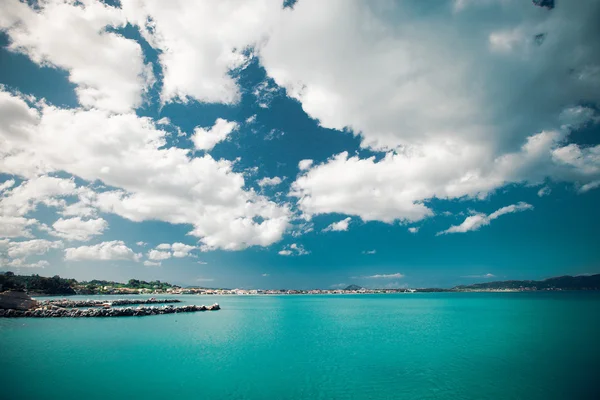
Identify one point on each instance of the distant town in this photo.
(38, 285)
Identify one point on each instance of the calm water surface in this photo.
(405, 346)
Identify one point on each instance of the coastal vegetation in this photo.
(579, 282)
(56, 285)
(38, 285)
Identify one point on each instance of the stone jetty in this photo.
(14, 304)
(64, 303)
(58, 312)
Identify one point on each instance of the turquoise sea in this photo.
(404, 346)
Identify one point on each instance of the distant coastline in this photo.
(36, 285)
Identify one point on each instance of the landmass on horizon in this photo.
(38, 285)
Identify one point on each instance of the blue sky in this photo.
(256, 146)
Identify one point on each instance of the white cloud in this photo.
(113, 250)
(395, 187)
(181, 250)
(20, 263)
(409, 84)
(265, 275)
(42, 189)
(305, 164)
(293, 249)
(152, 264)
(338, 226)
(141, 244)
(207, 139)
(11, 227)
(589, 186)
(397, 275)
(505, 41)
(474, 222)
(107, 69)
(370, 252)
(78, 229)
(31, 247)
(201, 262)
(266, 181)
(251, 119)
(413, 229)
(159, 255)
(484, 276)
(213, 39)
(150, 181)
(545, 191)
(7, 184)
(452, 110)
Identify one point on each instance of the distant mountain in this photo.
(581, 282)
(353, 287)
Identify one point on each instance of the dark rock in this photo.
(16, 300)
(549, 4)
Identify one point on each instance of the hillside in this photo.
(581, 282)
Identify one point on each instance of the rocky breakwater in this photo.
(64, 303)
(58, 312)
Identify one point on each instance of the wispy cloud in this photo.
(397, 275)
(484, 276)
(545, 191)
(370, 252)
(338, 226)
(293, 249)
(474, 222)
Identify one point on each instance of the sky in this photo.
(300, 144)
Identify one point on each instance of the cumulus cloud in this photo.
(338, 226)
(17, 202)
(159, 255)
(7, 184)
(207, 139)
(113, 250)
(107, 69)
(305, 164)
(413, 229)
(451, 128)
(293, 249)
(214, 39)
(166, 250)
(476, 221)
(394, 187)
(28, 248)
(181, 250)
(150, 181)
(78, 229)
(266, 181)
